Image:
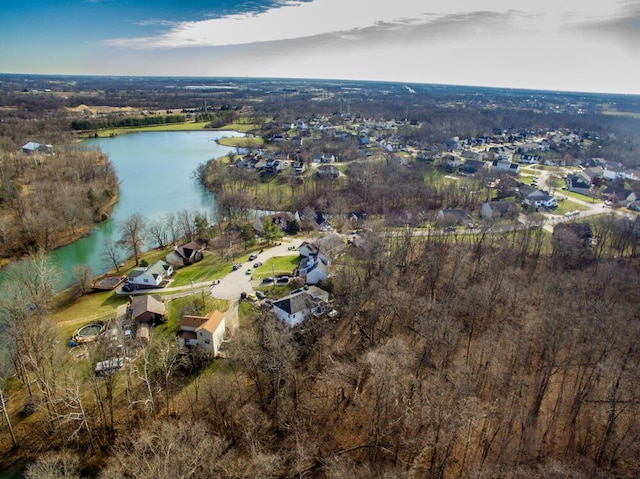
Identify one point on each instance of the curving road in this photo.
(232, 285)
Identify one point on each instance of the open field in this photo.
(241, 142)
(188, 126)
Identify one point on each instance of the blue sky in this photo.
(574, 45)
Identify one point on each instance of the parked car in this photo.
(252, 257)
(257, 264)
(260, 295)
(236, 266)
(248, 271)
(282, 280)
(267, 280)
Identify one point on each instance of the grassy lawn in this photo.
(196, 305)
(566, 206)
(276, 266)
(240, 127)
(189, 126)
(213, 266)
(578, 196)
(70, 315)
(433, 175)
(241, 142)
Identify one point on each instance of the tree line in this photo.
(88, 124)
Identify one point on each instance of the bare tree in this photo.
(170, 450)
(110, 254)
(158, 231)
(82, 276)
(55, 465)
(133, 233)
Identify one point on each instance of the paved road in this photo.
(592, 207)
(232, 285)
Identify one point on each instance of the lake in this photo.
(155, 172)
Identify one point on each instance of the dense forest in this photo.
(446, 361)
(49, 200)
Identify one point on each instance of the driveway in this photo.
(237, 282)
(233, 284)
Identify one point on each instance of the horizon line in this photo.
(252, 77)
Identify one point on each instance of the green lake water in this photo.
(155, 172)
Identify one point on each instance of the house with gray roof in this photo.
(150, 277)
(34, 147)
(492, 210)
(579, 183)
(296, 307)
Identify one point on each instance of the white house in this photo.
(538, 199)
(150, 277)
(33, 147)
(506, 166)
(296, 307)
(323, 158)
(203, 332)
(314, 267)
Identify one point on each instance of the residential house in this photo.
(150, 277)
(357, 217)
(504, 155)
(471, 167)
(315, 258)
(313, 268)
(204, 332)
(579, 183)
(633, 175)
(451, 163)
(454, 217)
(529, 159)
(492, 210)
(540, 199)
(613, 173)
(299, 166)
(322, 223)
(331, 244)
(505, 166)
(323, 158)
(595, 173)
(453, 144)
(146, 308)
(328, 171)
(426, 155)
(296, 307)
(273, 165)
(281, 219)
(186, 254)
(470, 155)
(619, 195)
(33, 147)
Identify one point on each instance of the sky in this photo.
(565, 45)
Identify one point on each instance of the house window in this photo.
(200, 333)
(206, 341)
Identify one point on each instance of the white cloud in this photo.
(292, 20)
(552, 44)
